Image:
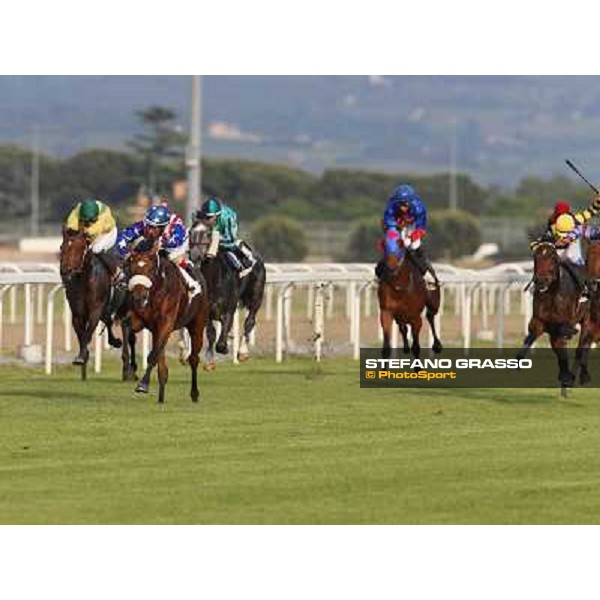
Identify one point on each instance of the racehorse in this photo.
(226, 291)
(87, 284)
(402, 299)
(590, 331)
(161, 304)
(556, 309)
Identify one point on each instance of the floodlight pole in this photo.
(35, 184)
(453, 200)
(194, 178)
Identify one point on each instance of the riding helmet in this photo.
(404, 192)
(211, 207)
(157, 216)
(89, 210)
(565, 224)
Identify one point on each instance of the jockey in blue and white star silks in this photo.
(159, 223)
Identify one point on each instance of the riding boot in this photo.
(193, 286)
(236, 263)
(424, 265)
(578, 272)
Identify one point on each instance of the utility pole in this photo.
(453, 199)
(194, 178)
(35, 184)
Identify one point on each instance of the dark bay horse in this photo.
(590, 331)
(225, 292)
(556, 308)
(161, 304)
(402, 299)
(87, 284)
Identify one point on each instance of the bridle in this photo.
(68, 274)
(544, 280)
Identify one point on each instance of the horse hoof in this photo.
(406, 350)
(568, 382)
(584, 379)
(222, 348)
(243, 357)
(115, 343)
(141, 388)
(209, 366)
(437, 347)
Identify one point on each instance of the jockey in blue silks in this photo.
(167, 228)
(404, 224)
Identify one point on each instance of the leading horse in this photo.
(160, 303)
(556, 309)
(88, 287)
(402, 298)
(225, 292)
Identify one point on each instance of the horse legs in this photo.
(159, 341)
(404, 332)
(437, 343)
(226, 323)
(415, 328)
(386, 320)
(211, 335)
(85, 329)
(163, 376)
(128, 351)
(581, 355)
(196, 331)
(249, 323)
(84, 354)
(565, 376)
(536, 328)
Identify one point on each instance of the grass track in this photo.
(296, 443)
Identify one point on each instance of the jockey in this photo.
(566, 230)
(223, 223)
(95, 219)
(404, 224)
(160, 223)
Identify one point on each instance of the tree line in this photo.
(258, 189)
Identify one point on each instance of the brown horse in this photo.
(88, 287)
(160, 303)
(402, 298)
(590, 331)
(556, 308)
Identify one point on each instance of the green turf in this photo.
(292, 443)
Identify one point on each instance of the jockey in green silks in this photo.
(223, 222)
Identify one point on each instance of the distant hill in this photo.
(506, 127)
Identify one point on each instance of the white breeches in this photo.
(176, 254)
(105, 241)
(213, 248)
(572, 253)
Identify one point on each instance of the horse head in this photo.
(142, 268)
(73, 253)
(545, 266)
(200, 236)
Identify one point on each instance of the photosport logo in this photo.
(466, 368)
